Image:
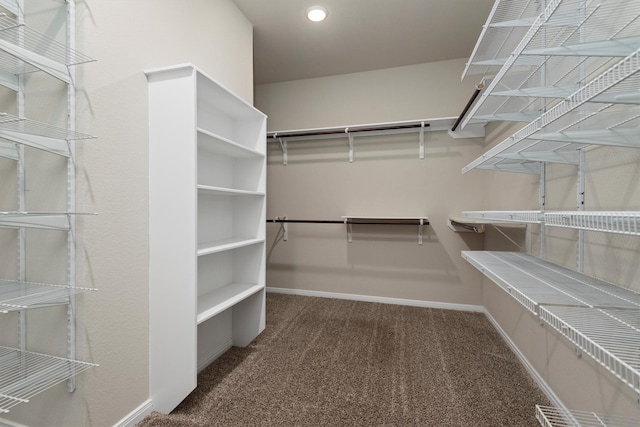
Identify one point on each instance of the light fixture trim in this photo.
(316, 13)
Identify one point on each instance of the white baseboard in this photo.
(136, 415)
(214, 355)
(555, 401)
(383, 300)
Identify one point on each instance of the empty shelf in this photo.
(610, 222)
(225, 147)
(534, 282)
(215, 302)
(228, 191)
(569, 116)
(206, 248)
(36, 135)
(554, 417)
(16, 295)
(42, 220)
(37, 50)
(610, 336)
(24, 374)
(487, 217)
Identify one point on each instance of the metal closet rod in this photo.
(475, 94)
(348, 129)
(413, 222)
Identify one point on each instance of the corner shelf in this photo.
(532, 217)
(16, 295)
(600, 318)
(25, 374)
(553, 417)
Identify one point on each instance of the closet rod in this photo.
(475, 94)
(349, 221)
(348, 129)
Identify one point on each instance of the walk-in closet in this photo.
(320, 213)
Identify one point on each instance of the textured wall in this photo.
(126, 38)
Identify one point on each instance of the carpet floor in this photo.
(328, 362)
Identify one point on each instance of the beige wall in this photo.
(387, 178)
(126, 37)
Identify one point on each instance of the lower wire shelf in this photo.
(599, 318)
(553, 417)
(24, 374)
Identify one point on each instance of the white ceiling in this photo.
(359, 35)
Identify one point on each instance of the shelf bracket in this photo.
(420, 231)
(283, 146)
(350, 136)
(284, 227)
(349, 231)
(421, 142)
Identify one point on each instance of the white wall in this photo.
(387, 178)
(126, 37)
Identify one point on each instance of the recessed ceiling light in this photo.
(316, 13)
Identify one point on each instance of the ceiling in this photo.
(359, 35)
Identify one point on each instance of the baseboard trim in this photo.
(383, 300)
(213, 356)
(555, 401)
(136, 415)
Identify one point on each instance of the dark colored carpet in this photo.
(327, 362)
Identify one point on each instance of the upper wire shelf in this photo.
(611, 222)
(24, 374)
(42, 136)
(17, 295)
(553, 417)
(39, 51)
(574, 123)
(570, 41)
(506, 25)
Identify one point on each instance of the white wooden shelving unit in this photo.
(207, 178)
(573, 75)
(24, 50)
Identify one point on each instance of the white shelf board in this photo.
(610, 222)
(610, 336)
(206, 248)
(218, 300)
(16, 295)
(226, 147)
(228, 191)
(25, 374)
(533, 282)
(553, 417)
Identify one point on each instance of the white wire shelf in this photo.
(570, 41)
(39, 51)
(534, 282)
(19, 130)
(521, 151)
(610, 222)
(610, 336)
(506, 25)
(552, 417)
(18, 295)
(532, 217)
(42, 220)
(24, 374)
